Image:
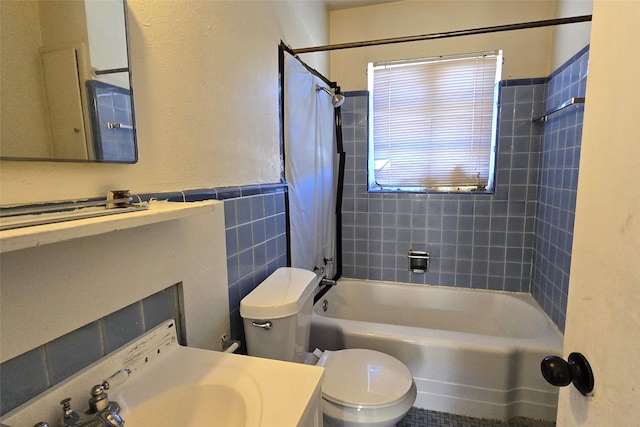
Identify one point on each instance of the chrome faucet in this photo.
(328, 282)
(101, 413)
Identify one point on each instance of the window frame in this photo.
(375, 187)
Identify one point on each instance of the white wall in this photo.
(527, 53)
(603, 320)
(569, 39)
(25, 96)
(206, 98)
(106, 32)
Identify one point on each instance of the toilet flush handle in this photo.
(264, 325)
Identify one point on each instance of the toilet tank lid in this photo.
(281, 294)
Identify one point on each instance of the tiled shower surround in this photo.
(475, 240)
(557, 186)
(255, 228)
(518, 239)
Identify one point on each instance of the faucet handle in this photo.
(111, 419)
(69, 417)
(99, 398)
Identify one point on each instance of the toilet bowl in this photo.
(365, 388)
(361, 387)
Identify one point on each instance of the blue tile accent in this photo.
(70, 353)
(122, 326)
(22, 378)
(257, 208)
(523, 82)
(161, 306)
(33, 372)
(244, 236)
(229, 193)
(172, 196)
(250, 190)
(200, 195)
(243, 210)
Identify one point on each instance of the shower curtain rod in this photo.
(448, 34)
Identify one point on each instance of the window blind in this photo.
(433, 123)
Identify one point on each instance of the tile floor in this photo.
(424, 418)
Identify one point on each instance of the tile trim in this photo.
(193, 195)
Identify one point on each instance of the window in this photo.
(433, 123)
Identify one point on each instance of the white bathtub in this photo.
(471, 352)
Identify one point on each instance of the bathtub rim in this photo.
(552, 340)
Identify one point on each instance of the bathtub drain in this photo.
(325, 305)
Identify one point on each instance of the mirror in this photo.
(66, 92)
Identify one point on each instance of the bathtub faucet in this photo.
(328, 282)
(325, 285)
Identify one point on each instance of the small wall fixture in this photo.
(418, 261)
(575, 370)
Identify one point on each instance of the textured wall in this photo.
(206, 98)
(527, 53)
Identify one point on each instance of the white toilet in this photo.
(361, 387)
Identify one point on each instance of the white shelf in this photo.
(37, 235)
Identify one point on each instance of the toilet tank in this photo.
(277, 315)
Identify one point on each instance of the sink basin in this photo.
(184, 389)
(189, 404)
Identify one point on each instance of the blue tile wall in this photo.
(557, 186)
(476, 240)
(31, 373)
(256, 234)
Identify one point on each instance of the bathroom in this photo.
(185, 143)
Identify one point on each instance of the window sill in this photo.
(427, 191)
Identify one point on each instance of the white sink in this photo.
(188, 404)
(187, 393)
(171, 385)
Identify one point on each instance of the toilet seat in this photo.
(360, 378)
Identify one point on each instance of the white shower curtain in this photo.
(311, 163)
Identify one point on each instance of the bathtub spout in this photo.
(325, 285)
(328, 282)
